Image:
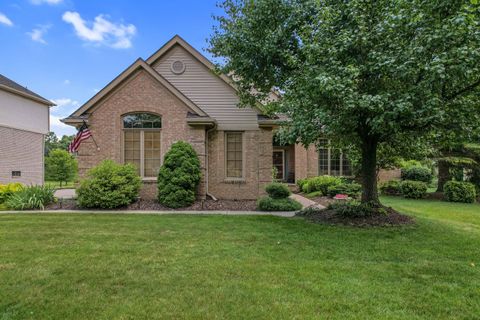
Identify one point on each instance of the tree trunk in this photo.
(369, 171)
(443, 174)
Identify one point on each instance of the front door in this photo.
(279, 163)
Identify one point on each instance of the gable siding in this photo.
(207, 90)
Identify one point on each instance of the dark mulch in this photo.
(152, 205)
(330, 216)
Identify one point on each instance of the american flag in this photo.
(82, 135)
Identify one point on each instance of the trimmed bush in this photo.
(413, 189)
(391, 188)
(179, 176)
(321, 184)
(350, 189)
(109, 185)
(31, 197)
(300, 183)
(6, 190)
(353, 209)
(285, 204)
(417, 174)
(278, 190)
(459, 191)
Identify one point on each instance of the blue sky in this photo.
(67, 50)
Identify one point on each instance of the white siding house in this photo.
(24, 122)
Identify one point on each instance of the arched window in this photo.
(142, 142)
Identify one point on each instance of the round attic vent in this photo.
(178, 67)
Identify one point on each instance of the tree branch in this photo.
(462, 91)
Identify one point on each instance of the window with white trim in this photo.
(234, 154)
(332, 161)
(141, 142)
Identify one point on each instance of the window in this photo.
(234, 154)
(332, 161)
(16, 174)
(142, 142)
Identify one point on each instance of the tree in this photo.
(60, 166)
(52, 142)
(365, 72)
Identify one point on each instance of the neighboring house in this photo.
(24, 122)
(176, 95)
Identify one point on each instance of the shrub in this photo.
(31, 197)
(60, 166)
(417, 174)
(179, 176)
(353, 209)
(271, 204)
(6, 190)
(460, 191)
(109, 185)
(320, 183)
(278, 190)
(301, 183)
(413, 189)
(350, 189)
(391, 188)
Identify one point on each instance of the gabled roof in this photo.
(78, 115)
(11, 86)
(177, 40)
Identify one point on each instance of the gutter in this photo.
(206, 161)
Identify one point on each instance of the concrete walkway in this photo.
(65, 193)
(306, 203)
(287, 214)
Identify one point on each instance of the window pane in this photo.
(142, 121)
(151, 154)
(234, 155)
(132, 148)
(323, 161)
(347, 168)
(334, 162)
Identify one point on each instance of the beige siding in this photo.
(21, 151)
(208, 91)
(21, 113)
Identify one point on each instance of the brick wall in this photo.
(257, 165)
(139, 93)
(21, 151)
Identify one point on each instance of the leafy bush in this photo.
(350, 189)
(278, 190)
(179, 176)
(353, 209)
(109, 185)
(320, 183)
(31, 197)
(300, 183)
(60, 166)
(417, 174)
(271, 204)
(6, 190)
(391, 188)
(413, 189)
(460, 191)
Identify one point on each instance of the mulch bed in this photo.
(152, 205)
(329, 216)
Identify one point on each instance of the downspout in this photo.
(206, 162)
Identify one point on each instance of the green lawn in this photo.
(56, 184)
(240, 267)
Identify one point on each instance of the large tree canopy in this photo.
(366, 72)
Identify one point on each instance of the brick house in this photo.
(24, 122)
(176, 95)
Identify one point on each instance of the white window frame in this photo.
(329, 161)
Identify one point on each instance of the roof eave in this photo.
(28, 96)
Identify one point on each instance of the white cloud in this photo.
(101, 31)
(66, 82)
(38, 33)
(65, 102)
(52, 2)
(4, 20)
(59, 127)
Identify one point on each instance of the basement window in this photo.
(16, 174)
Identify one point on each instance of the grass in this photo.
(56, 184)
(80, 266)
